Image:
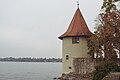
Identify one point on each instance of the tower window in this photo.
(75, 40)
(67, 57)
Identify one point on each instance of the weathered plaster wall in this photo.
(73, 51)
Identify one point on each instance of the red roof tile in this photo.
(77, 27)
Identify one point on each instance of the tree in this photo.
(104, 69)
(106, 38)
(109, 5)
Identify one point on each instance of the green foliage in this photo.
(104, 68)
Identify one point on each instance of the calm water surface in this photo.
(29, 70)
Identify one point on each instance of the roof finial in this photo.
(78, 4)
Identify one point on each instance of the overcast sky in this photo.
(30, 28)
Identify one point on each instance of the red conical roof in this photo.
(77, 27)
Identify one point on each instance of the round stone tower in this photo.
(74, 42)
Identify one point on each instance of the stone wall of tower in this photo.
(72, 51)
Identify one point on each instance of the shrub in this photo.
(104, 68)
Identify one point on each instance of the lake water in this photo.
(29, 70)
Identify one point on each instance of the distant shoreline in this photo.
(11, 59)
